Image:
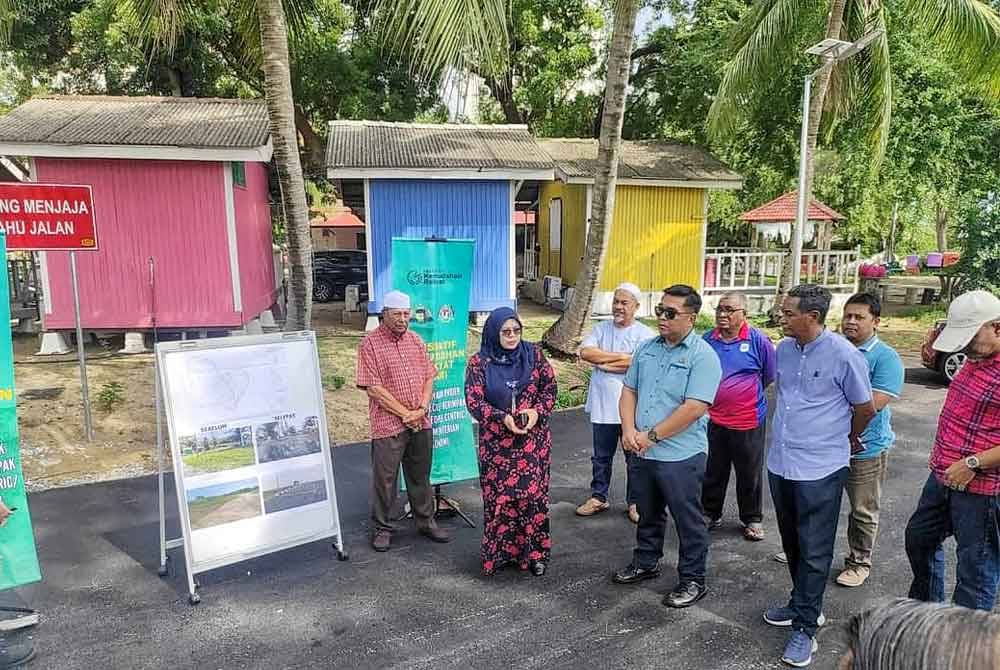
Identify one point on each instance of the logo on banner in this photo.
(431, 278)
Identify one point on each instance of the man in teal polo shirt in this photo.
(668, 388)
(868, 468)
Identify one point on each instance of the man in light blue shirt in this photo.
(868, 468)
(823, 405)
(668, 389)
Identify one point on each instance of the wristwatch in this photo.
(651, 435)
(972, 462)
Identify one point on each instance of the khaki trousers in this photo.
(864, 491)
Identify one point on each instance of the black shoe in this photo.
(685, 594)
(632, 574)
(538, 568)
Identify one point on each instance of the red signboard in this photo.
(47, 217)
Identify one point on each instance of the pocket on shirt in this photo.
(673, 382)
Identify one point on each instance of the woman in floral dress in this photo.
(510, 389)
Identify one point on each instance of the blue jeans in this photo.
(676, 486)
(974, 520)
(606, 439)
(807, 515)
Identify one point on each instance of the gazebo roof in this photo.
(782, 209)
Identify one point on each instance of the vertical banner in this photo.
(18, 559)
(437, 275)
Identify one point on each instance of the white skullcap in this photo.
(629, 287)
(396, 300)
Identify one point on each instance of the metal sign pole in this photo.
(88, 422)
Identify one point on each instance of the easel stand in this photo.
(166, 544)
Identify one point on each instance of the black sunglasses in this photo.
(668, 313)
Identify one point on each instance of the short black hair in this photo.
(691, 298)
(812, 298)
(865, 298)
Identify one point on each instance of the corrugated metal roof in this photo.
(646, 159)
(372, 145)
(785, 207)
(202, 123)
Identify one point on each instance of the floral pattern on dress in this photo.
(514, 469)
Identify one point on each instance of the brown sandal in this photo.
(753, 532)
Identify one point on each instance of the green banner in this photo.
(18, 559)
(437, 275)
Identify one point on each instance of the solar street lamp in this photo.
(832, 51)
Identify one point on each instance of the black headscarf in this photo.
(507, 371)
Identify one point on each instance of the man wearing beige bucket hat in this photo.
(962, 493)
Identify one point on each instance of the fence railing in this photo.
(529, 264)
(746, 269)
(22, 278)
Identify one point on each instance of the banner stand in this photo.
(446, 507)
(161, 403)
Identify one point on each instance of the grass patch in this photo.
(219, 459)
(921, 316)
(333, 381)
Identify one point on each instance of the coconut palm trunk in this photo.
(565, 332)
(281, 113)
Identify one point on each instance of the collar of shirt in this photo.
(807, 348)
(686, 342)
(387, 332)
(744, 333)
(869, 344)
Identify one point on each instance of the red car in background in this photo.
(944, 363)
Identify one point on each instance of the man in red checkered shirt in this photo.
(962, 494)
(398, 376)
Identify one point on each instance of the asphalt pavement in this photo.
(425, 605)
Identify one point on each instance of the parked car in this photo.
(946, 364)
(333, 271)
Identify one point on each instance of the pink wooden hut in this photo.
(180, 180)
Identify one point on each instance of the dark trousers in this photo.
(742, 451)
(974, 520)
(413, 450)
(607, 437)
(676, 486)
(807, 514)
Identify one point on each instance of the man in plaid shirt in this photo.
(962, 494)
(398, 376)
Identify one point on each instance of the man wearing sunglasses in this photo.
(668, 389)
(737, 418)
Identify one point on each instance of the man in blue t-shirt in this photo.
(868, 468)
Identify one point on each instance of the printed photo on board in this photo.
(217, 449)
(223, 503)
(288, 437)
(293, 487)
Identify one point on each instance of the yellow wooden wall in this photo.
(574, 216)
(656, 235)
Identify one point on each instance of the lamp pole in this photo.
(832, 51)
(802, 209)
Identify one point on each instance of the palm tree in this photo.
(473, 34)
(967, 32)
(263, 27)
(565, 332)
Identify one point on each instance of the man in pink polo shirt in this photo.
(398, 376)
(962, 493)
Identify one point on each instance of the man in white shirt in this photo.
(609, 348)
